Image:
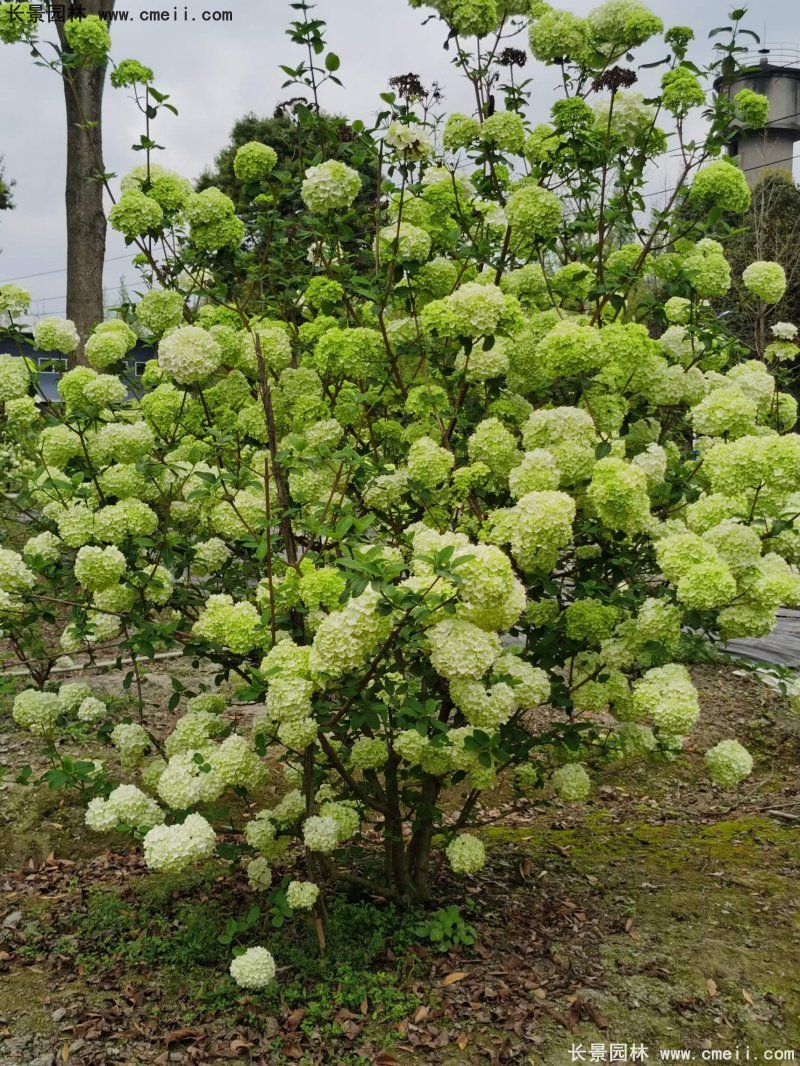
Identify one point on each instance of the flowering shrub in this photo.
(444, 520)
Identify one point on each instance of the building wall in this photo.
(133, 365)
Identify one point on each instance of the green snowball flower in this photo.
(571, 782)
(721, 184)
(752, 109)
(135, 214)
(460, 131)
(18, 22)
(131, 72)
(504, 130)
(728, 763)
(212, 221)
(254, 161)
(766, 280)
(681, 91)
(89, 38)
(533, 213)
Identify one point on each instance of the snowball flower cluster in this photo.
(130, 72)
(301, 895)
(254, 161)
(15, 377)
(369, 753)
(466, 854)
(131, 741)
(169, 190)
(135, 214)
(14, 574)
(37, 711)
(88, 37)
(571, 782)
(321, 833)
(159, 310)
(721, 184)
(751, 108)
(460, 649)
(109, 343)
(667, 695)
(126, 805)
(97, 568)
(18, 22)
(233, 625)
(681, 91)
(189, 355)
(14, 300)
(253, 969)
(213, 223)
(259, 873)
(619, 494)
(504, 130)
(56, 335)
(412, 141)
(405, 243)
(330, 186)
(345, 638)
(728, 763)
(460, 131)
(174, 847)
(765, 280)
(91, 710)
(785, 331)
(533, 213)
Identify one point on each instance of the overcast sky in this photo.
(216, 72)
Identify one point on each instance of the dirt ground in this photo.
(661, 915)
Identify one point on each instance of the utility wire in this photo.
(744, 170)
(108, 288)
(58, 270)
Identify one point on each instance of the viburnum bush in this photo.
(446, 518)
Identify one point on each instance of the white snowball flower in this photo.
(254, 968)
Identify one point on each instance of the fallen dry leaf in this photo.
(711, 985)
(240, 1045)
(452, 978)
(178, 1035)
(748, 998)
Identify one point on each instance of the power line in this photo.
(744, 170)
(770, 122)
(108, 288)
(58, 270)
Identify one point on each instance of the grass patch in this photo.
(169, 928)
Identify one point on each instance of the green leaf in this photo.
(332, 61)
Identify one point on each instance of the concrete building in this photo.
(51, 365)
(773, 71)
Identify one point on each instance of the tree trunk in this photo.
(419, 848)
(86, 220)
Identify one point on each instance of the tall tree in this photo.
(86, 221)
(770, 230)
(80, 59)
